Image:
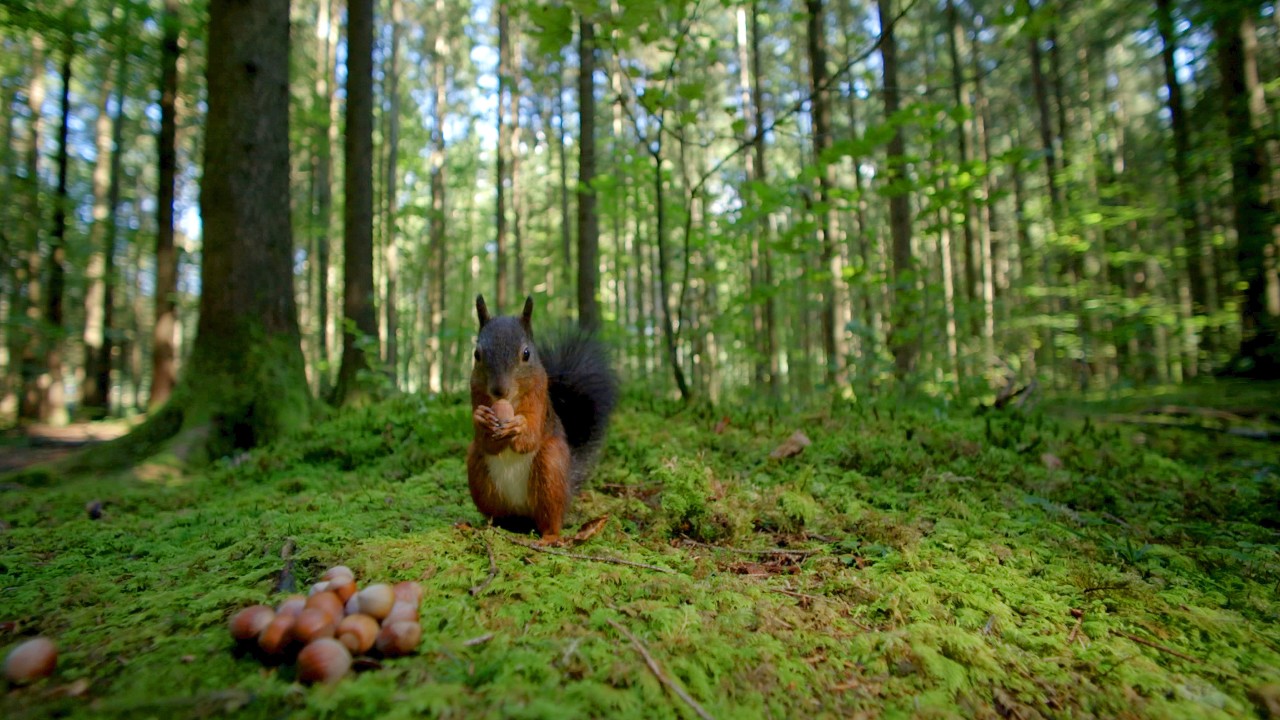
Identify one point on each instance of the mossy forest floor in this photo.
(912, 562)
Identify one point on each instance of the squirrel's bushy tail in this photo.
(584, 391)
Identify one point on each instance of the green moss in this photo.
(957, 574)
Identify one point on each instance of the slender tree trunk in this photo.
(30, 399)
(762, 173)
(903, 339)
(588, 224)
(360, 318)
(993, 272)
(53, 403)
(163, 352)
(566, 226)
(972, 253)
(392, 252)
(513, 159)
(501, 281)
(327, 108)
(93, 391)
(827, 219)
(1188, 213)
(436, 226)
(10, 219)
(1039, 89)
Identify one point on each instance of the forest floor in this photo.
(911, 562)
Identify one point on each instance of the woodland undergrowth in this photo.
(912, 561)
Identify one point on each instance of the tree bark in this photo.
(436, 356)
(903, 338)
(29, 271)
(1259, 354)
(391, 251)
(500, 279)
(53, 403)
(955, 35)
(831, 265)
(163, 352)
(360, 320)
(588, 223)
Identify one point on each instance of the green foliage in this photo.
(947, 560)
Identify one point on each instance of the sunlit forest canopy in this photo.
(758, 198)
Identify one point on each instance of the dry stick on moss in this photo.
(478, 640)
(1155, 645)
(493, 568)
(286, 582)
(657, 671)
(595, 558)
(748, 551)
(1072, 637)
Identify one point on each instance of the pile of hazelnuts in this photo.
(335, 623)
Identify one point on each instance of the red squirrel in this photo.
(540, 413)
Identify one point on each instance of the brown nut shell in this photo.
(343, 587)
(250, 622)
(503, 410)
(292, 605)
(408, 591)
(399, 638)
(357, 632)
(329, 602)
(338, 571)
(313, 624)
(278, 636)
(376, 600)
(325, 660)
(401, 612)
(34, 659)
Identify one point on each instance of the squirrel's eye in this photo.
(477, 354)
(525, 355)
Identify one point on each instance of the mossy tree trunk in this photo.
(244, 384)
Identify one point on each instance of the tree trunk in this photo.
(327, 138)
(903, 338)
(972, 253)
(762, 173)
(1041, 93)
(1259, 354)
(163, 355)
(566, 226)
(392, 252)
(436, 224)
(53, 403)
(500, 279)
(94, 390)
(824, 210)
(588, 224)
(360, 320)
(30, 399)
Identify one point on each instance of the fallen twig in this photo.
(594, 558)
(478, 640)
(1079, 620)
(657, 671)
(1252, 433)
(286, 582)
(493, 568)
(1155, 645)
(748, 551)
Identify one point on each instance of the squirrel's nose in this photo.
(498, 391)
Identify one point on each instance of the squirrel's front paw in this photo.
(485, 418)
(510, 428)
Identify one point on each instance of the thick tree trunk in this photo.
(1259, 354)
(588, 223)
(163, 352)
(93, 390)
(833, 317)
(360, 318)
(904, 337)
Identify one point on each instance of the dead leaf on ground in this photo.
(793, 446)
(1051, 461)
(722, 425)
(589, 529)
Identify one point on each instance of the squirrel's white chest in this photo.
(509, 471)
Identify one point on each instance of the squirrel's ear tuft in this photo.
(482, 311)
(526, 318)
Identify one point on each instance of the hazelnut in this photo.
(319, 587)
(327, 601)
(325, 660)
(401, 611)
(357, 632)
(408, 591)
(399, 638)
(30, 661)
(278, 635)
(338, 571)
(504, 411)
(251, 621)
(376, 600)
(292, 605)
(313, 624)
(343, 587)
